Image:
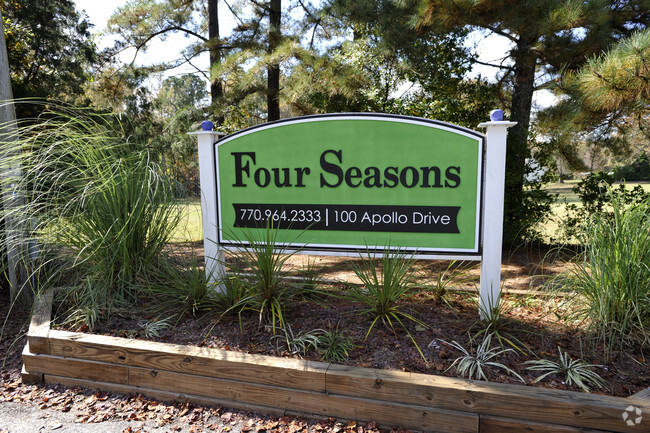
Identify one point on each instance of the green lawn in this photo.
(191, 226)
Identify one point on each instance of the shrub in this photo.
(596, 193)
(639, 169)
(94, 198)
(612, 277)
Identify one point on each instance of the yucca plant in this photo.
(153, 328)
(300, 343)
(230, 289)
(495, 323)
(180, 283)
(335, 346)
(454, 275)
(572, 371)
(267, 292)
(472, 364)
(381, 292)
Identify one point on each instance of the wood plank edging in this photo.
(642, 396)
(316, 403)
(485, 398)
(243, 394)
(96, 359)
(39, 325)
(203, 361)
(489, 424)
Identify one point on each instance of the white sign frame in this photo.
(491, 232)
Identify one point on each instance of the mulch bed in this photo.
(531, 319)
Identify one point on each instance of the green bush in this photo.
(639, 169)
(612, 277)
(99, 207)
(596, 193)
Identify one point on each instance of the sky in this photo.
(490, 49)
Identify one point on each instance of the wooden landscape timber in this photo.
(290, 386)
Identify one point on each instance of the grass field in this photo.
(565, 194)
(191, 228)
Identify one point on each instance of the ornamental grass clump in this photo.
(612, 278)
(99, 208)
(382, 291)
(266, 291)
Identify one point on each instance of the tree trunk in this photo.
(216, 88)
(273, 71)
(517, 145)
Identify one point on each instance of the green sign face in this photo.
(351, 181)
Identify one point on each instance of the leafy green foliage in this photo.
(381, 291)
(572, 371)
(596, 194)
(618, 80)
(335, 346)
(548, 39)
(612, 278)
(50, 50)
(639, 169)
(473, 363)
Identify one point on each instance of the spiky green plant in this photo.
(472, 364)
(612, 278)
(153, 328)
(382, 291)
(93, 197)
(454, 275)
(267, 293)
(300, 343)
(335, 346)
(572, 371)
(495, 322)
(180, 283)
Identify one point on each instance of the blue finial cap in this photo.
(496, 115)
(206, 125)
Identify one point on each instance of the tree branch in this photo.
(508, 68)
(232, 11)
(501, 33)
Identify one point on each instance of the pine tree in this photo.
(140, 21)
(547, 37)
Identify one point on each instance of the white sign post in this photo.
(492, 212)
(493, 193)
(214, 256)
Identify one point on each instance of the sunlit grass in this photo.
(190, 228)
(550, 226)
